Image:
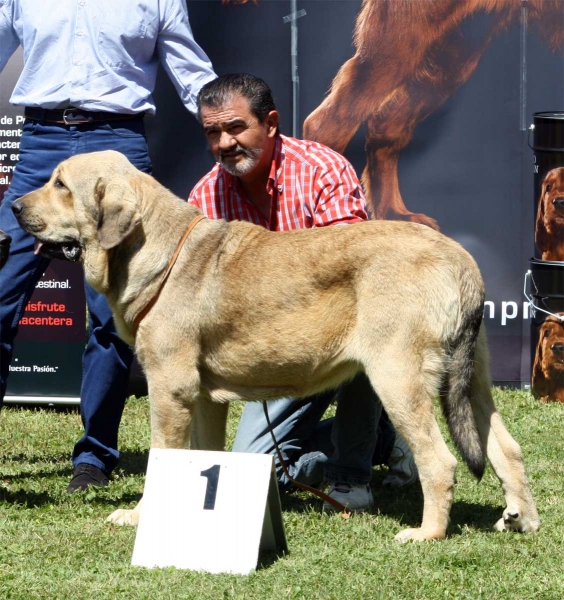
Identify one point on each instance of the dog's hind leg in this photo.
(407, 395)
(503, 452)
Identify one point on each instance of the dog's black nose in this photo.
(17, 207)
(558, 348)
(559, 202)
(5, 240)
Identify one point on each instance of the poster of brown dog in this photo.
(548, 368)
(549, 225)
(411, 56)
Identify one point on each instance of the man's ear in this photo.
(272, 120)
(118, 212)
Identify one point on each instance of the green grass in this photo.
(55, 545)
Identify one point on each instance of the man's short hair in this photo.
(219, 91)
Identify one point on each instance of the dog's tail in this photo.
(457, 389)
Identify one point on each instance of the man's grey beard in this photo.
(251, 160)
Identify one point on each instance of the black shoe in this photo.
(86, 475)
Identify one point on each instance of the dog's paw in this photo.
(124, 517)
(417, 535)
(513, 520)
(420, 218)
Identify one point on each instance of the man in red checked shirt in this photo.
(282, 183)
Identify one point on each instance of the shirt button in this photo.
(78, 63)
(80, 33)
(82, 2)
(280, 188)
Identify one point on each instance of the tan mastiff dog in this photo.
(248, 314)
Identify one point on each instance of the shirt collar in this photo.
(275, 179)
(276, 169)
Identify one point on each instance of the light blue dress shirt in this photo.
(101, 55)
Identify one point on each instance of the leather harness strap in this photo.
(171, 264)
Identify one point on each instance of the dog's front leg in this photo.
(209, 424)
(172, 412)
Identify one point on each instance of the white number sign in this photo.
(210, 511)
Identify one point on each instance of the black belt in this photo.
(75, 116)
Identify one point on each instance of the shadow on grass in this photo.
(405, 505)
(26, 499)
(130, 462)
(32, 499)
(269, 557)
(54, 459)
(133, 462)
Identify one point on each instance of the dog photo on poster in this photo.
(431, 102)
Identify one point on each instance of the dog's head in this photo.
(88, 206)
(550, 212)
(548, 367)
(5, 240)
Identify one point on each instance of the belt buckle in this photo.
(73, 121)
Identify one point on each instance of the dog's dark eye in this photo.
(548, 187)
(59, 183)
(546, 333)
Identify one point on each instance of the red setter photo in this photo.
(411, 55)
(549, 226)
(548, 369)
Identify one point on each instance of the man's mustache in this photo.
(232, 151)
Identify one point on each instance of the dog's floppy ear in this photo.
(118, 212)
(539, 383)
(542, 239)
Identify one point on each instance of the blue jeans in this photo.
(107, 359)
(341, 449)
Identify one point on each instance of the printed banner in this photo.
(47, 361)
(431, 108)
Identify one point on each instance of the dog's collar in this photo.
(171, 264)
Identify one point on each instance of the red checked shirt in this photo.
(309, 184)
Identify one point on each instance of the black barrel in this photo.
(548, 148)
(546, 287)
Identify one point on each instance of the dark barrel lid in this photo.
(549, 115)
(548, 277)
(548, 133)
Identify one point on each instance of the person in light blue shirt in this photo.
(89, 72)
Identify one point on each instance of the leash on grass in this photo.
(303, 486)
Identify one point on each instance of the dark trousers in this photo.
(107, 359)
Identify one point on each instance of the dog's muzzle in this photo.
(65, 250)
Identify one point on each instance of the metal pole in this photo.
(292, 18)
(523, 79)
(295, 76)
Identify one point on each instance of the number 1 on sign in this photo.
(212, 475)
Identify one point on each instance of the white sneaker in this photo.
(353, 497)
(402, 465)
